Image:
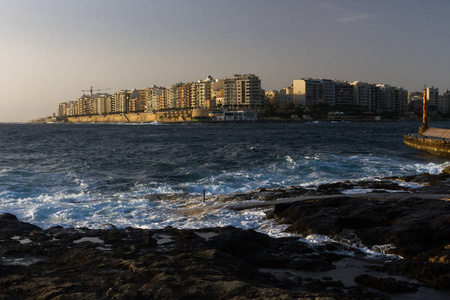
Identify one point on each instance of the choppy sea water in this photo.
(87, 175)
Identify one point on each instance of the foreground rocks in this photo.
(217, 263)
(230, 263)
(214, 263)
(411, 226)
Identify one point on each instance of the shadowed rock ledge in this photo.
(215, 263)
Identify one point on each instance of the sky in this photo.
(51, 50)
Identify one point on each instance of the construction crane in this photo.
(92, 91)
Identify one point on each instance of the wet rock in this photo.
(429, 274)
(129, 263)
(381, 185)
(427, 178)
(10, 225)
(267, 194)
(446, 171)
(415, 228)
(389, 285)
(334, 188)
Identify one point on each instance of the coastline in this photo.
(188, 117)
(236, 263)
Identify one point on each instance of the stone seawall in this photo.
(162, 117)
(436, 146)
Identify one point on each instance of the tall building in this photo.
(103, 104)
(151, 98)
(121, 101)
(201, 92)
(62, 109)
(142, 99)
(217, 91)
(446, 102)
(329, 92)
(173, 95)
(72, 109)
(161, 97)
(401, 99)
(343, 92)
(307, 91)
(364, 94)
(85, 105)
(242, 91)
(311, 91)
(432, 96)
(184, 96)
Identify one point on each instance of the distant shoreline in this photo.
(161, 118)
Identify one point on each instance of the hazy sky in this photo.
(51, 50)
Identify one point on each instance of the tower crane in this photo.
(92, 91)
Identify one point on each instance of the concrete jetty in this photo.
(433, 140)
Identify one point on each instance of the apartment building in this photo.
(161, 98)
(85, 105)
(144, 96)
(201, 92)
(102, 104)
(433, 97)
(340, 94)
(308, 92)
(446, 102)
(62, 109)
(364, 95)
(217, 91)
(242, 91)
(343, 93)
(329, 92)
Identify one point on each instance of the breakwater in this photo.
(433, 140)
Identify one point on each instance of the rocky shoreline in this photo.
(411, 225)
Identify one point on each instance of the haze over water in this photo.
(92, 174)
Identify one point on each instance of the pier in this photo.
(433, 140)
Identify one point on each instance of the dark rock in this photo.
(267, 194)
(129, 263)
(418, 229)
(334, 188)
(389, 285)
(428, 179)
(10, 225)
(381, 185)
(446, 171)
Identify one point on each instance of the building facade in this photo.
(242, 91)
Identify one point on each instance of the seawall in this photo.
(433, 140)
(162, 117)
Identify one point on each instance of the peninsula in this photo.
(241, 98)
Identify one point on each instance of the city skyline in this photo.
(244, 92)
(54, 50)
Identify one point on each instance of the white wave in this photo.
(318, 239)
(290, 160)
(379, 251)
(432, 168)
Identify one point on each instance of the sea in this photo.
(154, 175)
